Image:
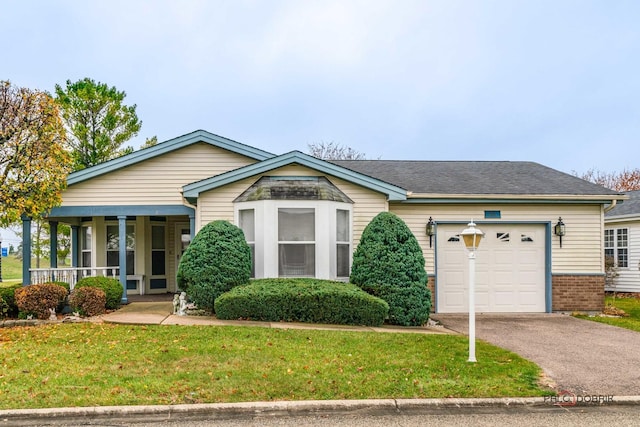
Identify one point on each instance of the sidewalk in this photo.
(160, 313)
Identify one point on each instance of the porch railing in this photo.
(71, 275)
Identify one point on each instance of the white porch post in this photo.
(26, 250)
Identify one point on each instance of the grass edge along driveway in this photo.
(65, 365)
(631, 306)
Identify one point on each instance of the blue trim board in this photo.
(193, 190)
(167, 147)
(130, 210)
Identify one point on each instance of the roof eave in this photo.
(166, 147)
(393, 192)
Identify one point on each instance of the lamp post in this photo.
(472, 236)
(0, 258)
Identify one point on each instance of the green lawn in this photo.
(11, 269)
(630, 305)
(62, 365)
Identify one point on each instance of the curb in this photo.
(255, 410)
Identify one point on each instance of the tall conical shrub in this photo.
(388, 263)
(217, 260)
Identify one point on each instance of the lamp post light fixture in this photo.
(559, 229)
(471, 237)
(431, 229)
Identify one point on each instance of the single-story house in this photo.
(303, 216)
(622, 243)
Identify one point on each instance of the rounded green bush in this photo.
(7, 294)
(112, 289)
(302, 300)
(388, 263)
(217, 260)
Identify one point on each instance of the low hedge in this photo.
(111, 287)
(302, 300)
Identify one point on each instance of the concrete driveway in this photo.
(580, 356)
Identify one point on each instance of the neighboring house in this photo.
(304, 217)
(622, 243)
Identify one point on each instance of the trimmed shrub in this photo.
(302, 300)
(217, 260)
(88, 301)
(112, 289)
(39, 299)
(7, 294)
(4, 309)
(388, 263)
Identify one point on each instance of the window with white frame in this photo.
(296, 227)
(86, 240)
(247, 223)
(343, 243)
(296, 242)
(113, 247)
(616, 245)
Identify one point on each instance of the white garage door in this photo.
(509, 269)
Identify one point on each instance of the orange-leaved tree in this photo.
(33, 161)
(627, 180)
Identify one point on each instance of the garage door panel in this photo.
(509, 269)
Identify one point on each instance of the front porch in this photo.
(154, 238)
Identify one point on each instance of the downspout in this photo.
(192, 219)
(613, 204)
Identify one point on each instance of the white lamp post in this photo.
(472, 236)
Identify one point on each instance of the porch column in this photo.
(192, 225)
(53, 244)
(26, 250)
(75, 250)
(122, 239)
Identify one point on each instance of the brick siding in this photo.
(577, 293)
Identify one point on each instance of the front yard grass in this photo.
(630, 305)
(62, 365)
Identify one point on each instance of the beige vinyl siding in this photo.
(218, 203)
(157, 181)
(628, 279)
(582, 247)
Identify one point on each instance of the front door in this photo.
(182, 241)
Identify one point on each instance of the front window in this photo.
(343, 243)
(85, 246)
(296, 242)
(113, 247)
(616, 246)
(247, 224)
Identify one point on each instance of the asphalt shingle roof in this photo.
(475, 177)
(629, 207)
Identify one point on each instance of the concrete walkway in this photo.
(160, 313)
(581, 356)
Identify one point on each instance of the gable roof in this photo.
(166, 147)
(433, 178)
(629, 208)
(393, 192)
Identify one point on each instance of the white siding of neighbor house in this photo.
(157, 181)
(628, 279)
(582, 247)
(218, 203)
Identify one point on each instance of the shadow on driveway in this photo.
(581, 356)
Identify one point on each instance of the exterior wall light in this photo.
(472, 236)
(431, 230)
(559, 229)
